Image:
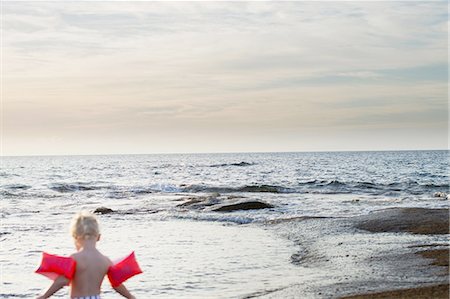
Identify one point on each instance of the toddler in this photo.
(91, 264)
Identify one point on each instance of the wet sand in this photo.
(391, 253)
(415, 221)
(438, 291)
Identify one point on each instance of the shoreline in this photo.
(439, 257)
(434, 291)
(415, 221)
(396, 253)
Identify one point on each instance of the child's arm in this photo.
(122, 290)
(58, 284)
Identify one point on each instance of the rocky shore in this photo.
(409, 220)
(391, 253)
(414, 221)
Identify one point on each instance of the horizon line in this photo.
(219, 153)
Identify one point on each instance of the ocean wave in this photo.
(240, 164)
(126, 192)
(393, 188)
(302, 187)
(4, 194)
(11, 295)
(237, 219)
(5, 174)
(17, 187)
(266, 188)
(431, 185)
(246, 188)
(114, 191)
(306, 187)
(73, 187)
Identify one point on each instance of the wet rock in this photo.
(242, 164)
(103, 210)
(190, 202)
(249, 205)
(412, 220)
(200, 201)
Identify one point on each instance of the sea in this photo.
(164, 208)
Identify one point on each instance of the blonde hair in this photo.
(84, 225)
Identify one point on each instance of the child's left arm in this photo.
(58, 284)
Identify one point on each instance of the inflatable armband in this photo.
(123, 269)
(53, 266)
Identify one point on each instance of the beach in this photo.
(415, 221)
(296, 225)
(237, 149)
(385, 253)
(422, 222)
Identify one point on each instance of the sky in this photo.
(148, 77)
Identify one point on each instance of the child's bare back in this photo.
(91, 269)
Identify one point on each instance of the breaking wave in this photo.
(17, 187)
(305, 187)
(247, 188)
(240, 164)
(72, 187)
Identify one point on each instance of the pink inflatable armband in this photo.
(53, 266)
(123, 270)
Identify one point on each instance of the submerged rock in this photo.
(249, 205)
(103, 210)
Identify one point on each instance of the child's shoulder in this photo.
(81, 255)
(75, 255)
(107, 259)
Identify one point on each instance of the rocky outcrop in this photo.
(103, 210)
(200, 202)
(249, 205)
(412, 220)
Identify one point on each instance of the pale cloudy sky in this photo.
(159, 77)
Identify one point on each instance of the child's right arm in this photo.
(122, 290)
(58, 284)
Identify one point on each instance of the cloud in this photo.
(360, 74)
(136, 66)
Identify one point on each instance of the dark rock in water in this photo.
(242, 164)
(190, 202)
(201, 201)
(103, 210)
(250, 205)
(412, 220)
(233, 164)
